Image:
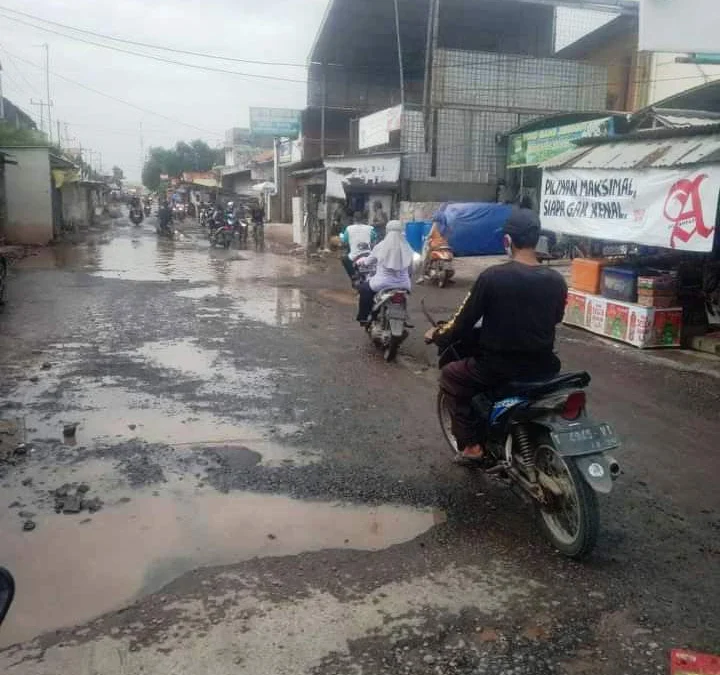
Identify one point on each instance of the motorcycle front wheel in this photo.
(571, 520)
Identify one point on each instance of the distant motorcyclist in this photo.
(516, 306)
(164, 215)
(436, 239)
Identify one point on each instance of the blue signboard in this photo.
(275, 122)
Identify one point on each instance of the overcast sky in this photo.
(266, 30)
(272, 30)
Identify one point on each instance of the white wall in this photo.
(669, 78)
(29, 205)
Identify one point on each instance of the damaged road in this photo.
(268, 496)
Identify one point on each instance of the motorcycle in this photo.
(222, 235)
(179, 211)
(387, 327)
(362, 271)
(7, 592)
(440, 269)
(542, 443)
(136, 215)
(147, 209)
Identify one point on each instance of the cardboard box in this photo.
(643, 327)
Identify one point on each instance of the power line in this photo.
(119, 100)
(152, 57)
(153, 46)
(303, 81)
(31, 86)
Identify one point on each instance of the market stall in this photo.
(652, 199)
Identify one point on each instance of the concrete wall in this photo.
(440, 191)
(669, 78)
(29, 204)
(76, 205)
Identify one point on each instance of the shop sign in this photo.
(275, 122)
(362, 174)
(534, 147)
(374, 130)
(289, 151)
(669, 208)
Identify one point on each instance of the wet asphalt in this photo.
(258, 492)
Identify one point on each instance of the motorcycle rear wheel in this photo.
(572, 524)
(390, 352)
(445, 420)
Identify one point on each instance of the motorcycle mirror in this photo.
(7, 592)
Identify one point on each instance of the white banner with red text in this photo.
(669, 208)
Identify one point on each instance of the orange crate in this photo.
(586, 274)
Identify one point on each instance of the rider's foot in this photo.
(473, 452)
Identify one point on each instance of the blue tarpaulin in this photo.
(475, 228)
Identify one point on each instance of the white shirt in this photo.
(358, 234)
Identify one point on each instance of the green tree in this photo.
(118, 174)
(194, 156)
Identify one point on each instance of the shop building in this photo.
(464, 76)
(646, 207)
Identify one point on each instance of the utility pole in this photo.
(400, 55)
(2, 100)
(59, 136)
(47, 83)
(42, 105)
(142, 147)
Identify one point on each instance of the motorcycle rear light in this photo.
(574, 405)
(398, 299)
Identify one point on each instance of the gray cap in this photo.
(522, 221)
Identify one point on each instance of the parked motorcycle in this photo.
(136, 215)
(440, 269)
(543, 444)
(387, 327)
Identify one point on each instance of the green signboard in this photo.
(534, 147)
(280, 122)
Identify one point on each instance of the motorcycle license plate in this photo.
(396, 312)
(585, 440)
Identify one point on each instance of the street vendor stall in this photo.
(654, 194)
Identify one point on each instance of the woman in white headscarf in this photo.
(393, 258)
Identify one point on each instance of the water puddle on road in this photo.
(69, 571)
(183, 355)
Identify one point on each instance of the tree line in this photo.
(194, 156)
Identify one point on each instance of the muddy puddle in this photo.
(137, 255)
(107, 413)
(69, 570)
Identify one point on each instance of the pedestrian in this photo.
(379, 219)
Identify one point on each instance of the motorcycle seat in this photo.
(535, 390)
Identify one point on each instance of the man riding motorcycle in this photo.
(352, 236)
(164, 215)
(516, 306)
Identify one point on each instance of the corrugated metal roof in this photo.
(641, 154)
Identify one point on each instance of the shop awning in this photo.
(655, 188)
(661, 148)
(369, 173)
